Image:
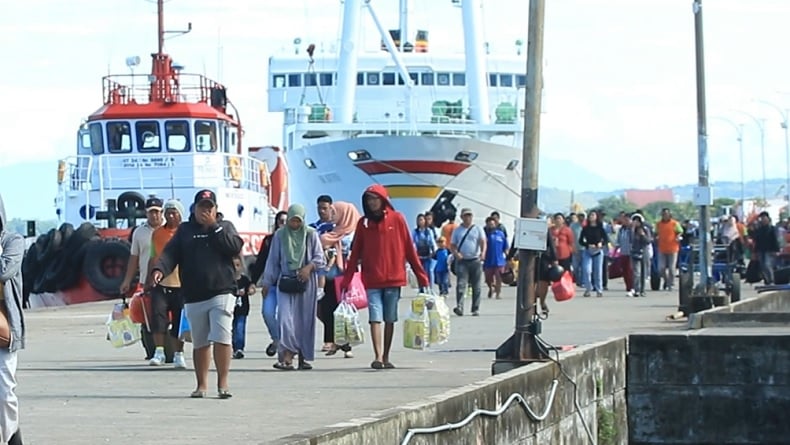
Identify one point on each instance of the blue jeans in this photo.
(269, 312)
(592, 271)
(239, 332)
(443, 280)
(576, 265)
(427, 266)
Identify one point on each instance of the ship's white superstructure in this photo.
(440, 131)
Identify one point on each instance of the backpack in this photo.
(423, 246)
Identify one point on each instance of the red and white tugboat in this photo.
(166, 135)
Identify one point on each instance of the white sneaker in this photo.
(178, 361)
(630, 293)
(158, 359)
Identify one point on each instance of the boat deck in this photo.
(75, 388)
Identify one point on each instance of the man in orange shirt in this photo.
(166, 297)
(448, 227)
(668, 233)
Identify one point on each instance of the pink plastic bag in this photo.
(564, 289)
(355, 292)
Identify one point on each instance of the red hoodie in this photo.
(383, 247)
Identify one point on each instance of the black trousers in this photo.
(326, 311)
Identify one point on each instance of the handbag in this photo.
(5, 327)
(355, 293)
(564, 289)
(291, 284)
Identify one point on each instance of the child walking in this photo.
(244, 288)
(441, 271)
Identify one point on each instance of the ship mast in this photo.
(347, 67)
(160, 13)
(476, 70)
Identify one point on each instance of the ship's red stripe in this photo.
(451, 168)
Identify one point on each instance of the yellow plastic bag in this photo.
(121, 330)
(416, 327)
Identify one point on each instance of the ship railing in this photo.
(138, 89)
(161, 172)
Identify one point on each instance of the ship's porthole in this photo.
(359, 155)
(466, 156)
(512, 165)
(309, 163)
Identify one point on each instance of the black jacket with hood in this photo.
(204, 257)
(12, 251)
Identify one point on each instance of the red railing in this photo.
(137, 88)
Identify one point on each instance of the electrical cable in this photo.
(544, 346)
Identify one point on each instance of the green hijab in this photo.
(295, 241)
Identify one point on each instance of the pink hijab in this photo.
(345, 216)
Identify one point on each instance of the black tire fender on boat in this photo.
(73, 270)
(104, 265)
(66, 232)
(29, 269)
(53, 245)
(128, 200)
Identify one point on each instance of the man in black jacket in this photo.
(203, 248)
(766, 246)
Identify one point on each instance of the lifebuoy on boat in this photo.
(234, 167)
(61, 172)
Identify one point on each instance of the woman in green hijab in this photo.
(295, 251)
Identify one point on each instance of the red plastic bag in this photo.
(564, 289)
(355, 292)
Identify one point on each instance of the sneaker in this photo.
(599, 294)
(586, 293)
(158, 359)
(630, 293)
(238, 354)
(348, 354)
(271, 350)
(458, 311)
(178, 361)
(475, 313)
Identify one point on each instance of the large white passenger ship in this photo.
(440, 131)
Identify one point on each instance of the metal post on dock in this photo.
(701, 296)
(521, 348)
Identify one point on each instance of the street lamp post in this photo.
(739, 131)
(785, 113)
(761, 126)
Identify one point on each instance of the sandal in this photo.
(304, 366)
(332, 351)
(271, 350)
(389, 365)
(283, 366)
(197, 394)
(377, 365)
(224, 393)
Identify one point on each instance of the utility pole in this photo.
(703, 193)
(521, 348)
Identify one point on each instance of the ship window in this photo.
(415, 78)
(506, 80)
(443, 79)
(119, 137)
(427, 78)
(278, 81)
(294, 80)
(521, 80)
(326, 78)
(205, 136)
(373, 78)
(388, 79)
(310, 80)
(459, 79)
(148, 136)
(492, 80)
(177, 134)
(400, 80)
(360, 78)
(97, 141)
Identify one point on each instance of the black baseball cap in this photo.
(205, 195)
(153, 204)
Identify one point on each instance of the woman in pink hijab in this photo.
(337, 247)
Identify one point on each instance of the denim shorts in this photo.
(383, 304)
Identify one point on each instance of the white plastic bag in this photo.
(121, 330)
(412, 277)
(348, 328)
(439, 319)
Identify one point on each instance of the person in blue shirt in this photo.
(441, 272)
(494, 261)
(325, 224)
(425, 243)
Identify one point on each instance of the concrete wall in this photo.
(709, 389)
(598, 369)
(769, 308)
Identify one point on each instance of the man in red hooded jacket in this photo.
(382, 245)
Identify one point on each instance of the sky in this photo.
(620, 95)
